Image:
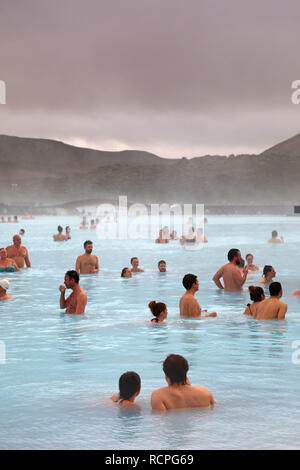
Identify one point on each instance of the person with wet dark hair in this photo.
(59, 237)
(126, 272)
(76, 302)
(274, 238)
(179, 393)
(188, 305)
(135, 265)
(233, 278)
(162, 266)
(87, 263)
(129, 389)
(250, 265)
(159, 311)
(268, 274)
(272, 308)
(256, 295)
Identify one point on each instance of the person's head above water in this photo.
(17, 241)
(274, 233)
(3, 253)
(162, 266)
(71, 279)
(22, 231)
(4, 284)
(275, 289)
(88, 246)
(190, 281)
(129, 385)
(269, 271)
(59, 229)
(175, 368)
(126, 272)
(159, 310)
(256, 293)
(234, 255)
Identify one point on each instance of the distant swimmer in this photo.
(250, 265)
(268, 273)
(93, 225)
(76, 302)
(126, 272)
(2, 220)
(161, 238)
(188, 305)
(190, 238)
(173, 235)
(200, 237)
(179, 393)
(16, 221)
(232, 276)
(272, 308)
(274, 238)
(296, 293)
(129, 389)
(159, 311)
(18, 252)
(4, 286)
(7, 265)
(135, 265)
(162, 266)
(256, 295)
(22, 232)
(68, 233)
(83, 224)
(59, 237)
(87, 263)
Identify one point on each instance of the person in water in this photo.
(129, 389)
(268, 273)
(179, 393)
(256, 295)
(4, 286)
(59, 237)
(296, 293)
(135, 265)
(68, 233)
(272, 308)
(162, 266)
(200, 237)
(274, 238)
(18, 252)
(162, 238)
(87, 263)
(188, 305)
(159, 311)
(22, 232)
(126, 272)
(250, 265)
(233, 278)
(76, 302)
(7, 265)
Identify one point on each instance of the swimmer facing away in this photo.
(272, 308)
(129, 389)
(274, 238)
(159, 311)
(256, 295)
(179, 393)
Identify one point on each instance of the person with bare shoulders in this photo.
(274, 238)
(188, 305)
(76, 302)
(135, 265)
(59, 237)
(200, 237)
(256, 295)
(159, 311)
(7, 265)
(272, 308)
(179, 393)
(268, 274)
(126, 272)
(250, 265)
(296, 293)
(87, 263)
(232, 276)
(161, 238)
(4, 286)
(18, 252)
(162, 266)
(129, 389)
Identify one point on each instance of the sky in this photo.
(172, 77)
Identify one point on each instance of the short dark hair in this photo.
(161, 261)
(73, 275)
(249, 254)
(188, 280)
(175, 368)
(267, 269)
(123, 272)
(274, 233)
(129, 384)
(232, 253)
(59, 229)
(274, 288)
(87, 242)
(134, 257)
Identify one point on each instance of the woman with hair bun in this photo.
(159, 310)
(256, 295)
(268, 274)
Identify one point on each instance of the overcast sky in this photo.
(173, 77)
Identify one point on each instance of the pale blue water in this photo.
(60, 370)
